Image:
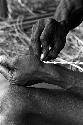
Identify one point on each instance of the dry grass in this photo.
(13, 41)
(72, 54)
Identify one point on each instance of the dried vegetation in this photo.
(14, 41)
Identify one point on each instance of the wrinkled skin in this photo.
(47, 32)
(26, 70)
(21, 67)
(54, 36)
(21, 106)
(69, 15)
(29, 69)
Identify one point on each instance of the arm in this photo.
(20, 106)
(70, 12)
(29, 69)
(68, 15)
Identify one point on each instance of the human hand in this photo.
(22, 68)
(53, 35)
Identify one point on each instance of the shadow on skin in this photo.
(36, 106)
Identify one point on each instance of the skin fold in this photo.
(30, 69)
(22, 105)
(68, 14)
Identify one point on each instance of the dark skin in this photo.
(21, 105)
(26, 70)
(69, 14)
(33, 106)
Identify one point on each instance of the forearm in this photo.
(70, 12)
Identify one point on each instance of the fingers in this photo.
(35, 37)
(55, 50)
(47, 36)
(55, 35)
(53, 53)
